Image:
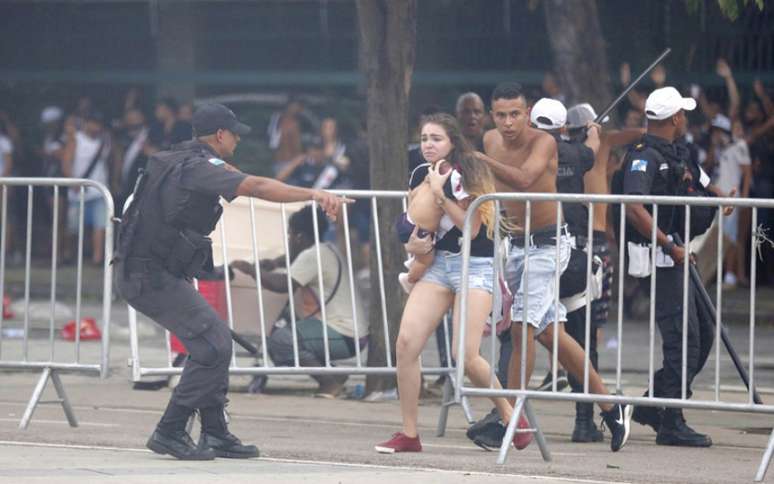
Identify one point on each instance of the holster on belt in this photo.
(190, 253)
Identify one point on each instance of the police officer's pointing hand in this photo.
(330, 203)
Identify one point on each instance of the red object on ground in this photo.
(89, 330)
(7, 313)
(214, 292)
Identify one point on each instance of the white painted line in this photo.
(61, 422)
(327, 463)
(12, 443)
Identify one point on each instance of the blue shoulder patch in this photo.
(639, 165)
(216, 161)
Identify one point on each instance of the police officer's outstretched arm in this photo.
(217, 127)
(276, 191)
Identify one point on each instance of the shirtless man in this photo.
(525, 159)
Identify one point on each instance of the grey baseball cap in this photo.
(580, 114)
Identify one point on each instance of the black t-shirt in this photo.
(209, 176)
(481, 245)
(415, 159)
(575, 159)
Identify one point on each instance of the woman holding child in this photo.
(440, 193)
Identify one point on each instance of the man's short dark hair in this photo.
(507, 90)
(302, 222)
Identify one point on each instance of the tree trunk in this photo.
(580, 53)
(387, 43)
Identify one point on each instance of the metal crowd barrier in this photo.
(140, 369)
(28, 355)
(523, 395)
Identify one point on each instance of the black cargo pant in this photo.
(576, 327)
(667, 381)
(176, 305)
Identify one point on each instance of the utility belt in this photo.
(184, 256)
(598, 238)
(543, 237)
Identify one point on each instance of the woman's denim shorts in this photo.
(447, 271)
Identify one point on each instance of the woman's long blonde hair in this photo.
(477, 178)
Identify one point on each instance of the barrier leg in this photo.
(766, 459)
(134, 345)
(510, 430)
(523, 405)
(465, 403)
(33, 403)
(38, 392)
(539, 437)
(60, 391)
(446, 401)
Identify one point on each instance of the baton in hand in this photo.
(705, 300)
(631, 85)
(243, 343)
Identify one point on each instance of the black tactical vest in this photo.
(666, 183)
(569, 179)
(167, 222)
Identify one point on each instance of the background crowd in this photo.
(732, 136)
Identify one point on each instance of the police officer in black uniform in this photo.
(658, 165)
(576, 155)
(163, 244)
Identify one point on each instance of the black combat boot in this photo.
(171, 438)
(674, 431)
(647, 415)
(585, 430)
(216, 437)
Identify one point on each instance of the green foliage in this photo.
(730, 8)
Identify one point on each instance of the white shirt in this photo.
(85, 150)
(6, 149)
(338, 310)
(731, 159)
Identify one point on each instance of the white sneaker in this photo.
(404, 282)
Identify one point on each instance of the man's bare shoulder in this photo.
(537, 137)
(492, 138)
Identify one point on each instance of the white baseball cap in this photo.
(580, 114)
(665, 102)
(548, 114)
(51, 114)
(721, 122)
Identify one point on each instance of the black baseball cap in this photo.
(209, 118)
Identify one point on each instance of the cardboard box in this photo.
(238, 229)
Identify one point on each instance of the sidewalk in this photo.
(291, 426)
